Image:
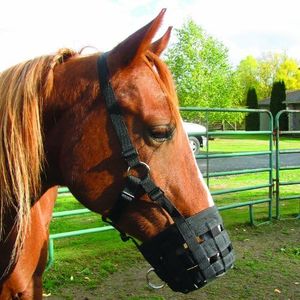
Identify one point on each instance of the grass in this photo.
(100, 266)
(231, 143)
(85, 261)
(268, 256)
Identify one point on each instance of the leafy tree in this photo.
(267, 70)
(263, 72)
(252, 119)
(289, 72)
(247, 73)
(201, 69)
(278, 96)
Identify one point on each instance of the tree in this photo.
(278, 96)
(201, 69)
(252, 119)
(268, 67)
(289, 72)
(261, 73)
(247, 73)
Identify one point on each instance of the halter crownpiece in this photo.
(192, 251)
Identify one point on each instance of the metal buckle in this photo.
(140, 168)
(152, 285)
(127, 196)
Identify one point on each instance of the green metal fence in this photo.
(208, 156)
(68, 213)
(279, 153)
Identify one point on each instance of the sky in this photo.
(30, 28)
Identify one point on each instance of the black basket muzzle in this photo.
(191, 252)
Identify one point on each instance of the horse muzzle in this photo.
(191, 252)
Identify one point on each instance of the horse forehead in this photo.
(152, 101)
(140, 84)
(146, 81)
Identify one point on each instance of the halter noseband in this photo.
(190, 252)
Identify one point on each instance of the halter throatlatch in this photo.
(190, 252)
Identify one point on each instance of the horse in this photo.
(108, 127)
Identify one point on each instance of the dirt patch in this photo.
(267, 267)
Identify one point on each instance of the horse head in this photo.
(118, 143)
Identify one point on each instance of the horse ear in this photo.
(135, 45)
(160, 45)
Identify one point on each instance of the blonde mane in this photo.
(22, 90)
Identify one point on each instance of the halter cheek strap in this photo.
(128, 151)
(133, 184)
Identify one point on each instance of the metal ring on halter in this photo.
(152, 285)
(139, 165)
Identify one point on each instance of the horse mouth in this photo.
(189, 256)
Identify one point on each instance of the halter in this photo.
(190, 252)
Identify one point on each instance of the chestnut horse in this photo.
(107, 127)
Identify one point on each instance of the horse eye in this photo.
(161, 133)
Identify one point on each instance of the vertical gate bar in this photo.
(207, 147)
(251, 216)
(50, 254)
(277, 164)
(271, 157)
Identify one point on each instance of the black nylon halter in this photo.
(190, 252)
(131, 156)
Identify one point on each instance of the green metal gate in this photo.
(268, 184)
(210, 156)
(279, 184)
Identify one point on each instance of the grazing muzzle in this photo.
(192, 251)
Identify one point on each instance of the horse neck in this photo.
(74, 91)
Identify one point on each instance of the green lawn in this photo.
(85, 262)
(101, 266)
(240, 143)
